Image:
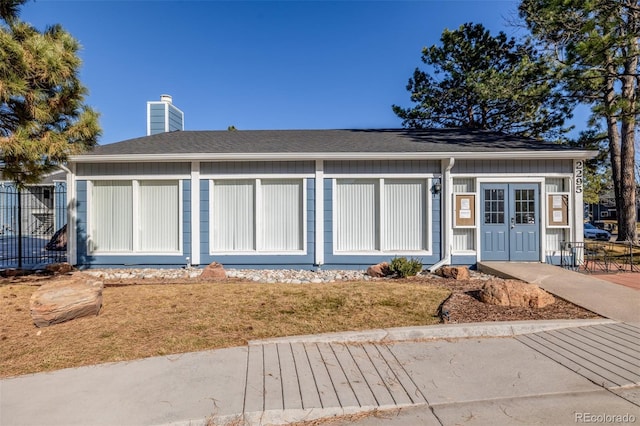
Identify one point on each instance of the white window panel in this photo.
(233, 215)
(464, 239)
(381, 215)
(281, 210)
(135, 216)
(404, 218)
(357, 215)
(111, 216)
(257, 215)
(159, 216)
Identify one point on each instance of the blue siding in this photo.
(381, 167)
(157, 118)
(133, 169)
(463, 260)
(81, 223)
(257, 167)
(513, 166)
(175, 119)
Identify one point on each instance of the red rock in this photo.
(456, 272)
(515, 293)
(380, 270)
(64, 300)
(59, 268)
(214, 271)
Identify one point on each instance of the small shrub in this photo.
(403, 268)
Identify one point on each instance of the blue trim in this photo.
(463, 259)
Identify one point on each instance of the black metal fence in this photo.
(597, 256)
(33, 225)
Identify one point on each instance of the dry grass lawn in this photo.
(139, 321)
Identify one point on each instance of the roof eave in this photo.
(293, 156)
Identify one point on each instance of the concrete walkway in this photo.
(610, 300)
(499, 373)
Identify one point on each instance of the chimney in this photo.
(163, 116)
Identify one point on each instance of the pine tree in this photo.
(43, 119)
(597, 49)
(479, 81)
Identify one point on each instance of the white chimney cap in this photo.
(166, 98)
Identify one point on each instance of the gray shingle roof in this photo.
(324, 141)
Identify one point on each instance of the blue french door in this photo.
(510, 228)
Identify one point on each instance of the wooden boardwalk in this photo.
(302, 376)
(338, 378)
(607, 355)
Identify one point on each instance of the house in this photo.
(342, 199)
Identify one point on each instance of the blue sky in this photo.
(260, 64)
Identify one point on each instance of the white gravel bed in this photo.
(289, 276)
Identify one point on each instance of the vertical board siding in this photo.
(175, 119)
(514, 166)
(157, 118)
(381, 167)
(132, 169)
(464, 239)
(257, 167)
(556, 185)
(464, 185)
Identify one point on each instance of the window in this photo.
(135, 216)
(263, 215)
(380, 215)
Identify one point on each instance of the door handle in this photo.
(513, 222)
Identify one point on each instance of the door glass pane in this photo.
(494, 206)
(525, 207)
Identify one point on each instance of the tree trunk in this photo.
(614, 138)
(627, 211)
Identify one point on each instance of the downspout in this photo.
(445, 213)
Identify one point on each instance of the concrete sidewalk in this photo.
(498, 375)
(501, 373)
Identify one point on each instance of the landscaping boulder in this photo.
(515, 293)
(455, 272)
(214, 271)
(59, 268)
(64, 300)
(380, 270)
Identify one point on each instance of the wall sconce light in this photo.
(437, 187)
